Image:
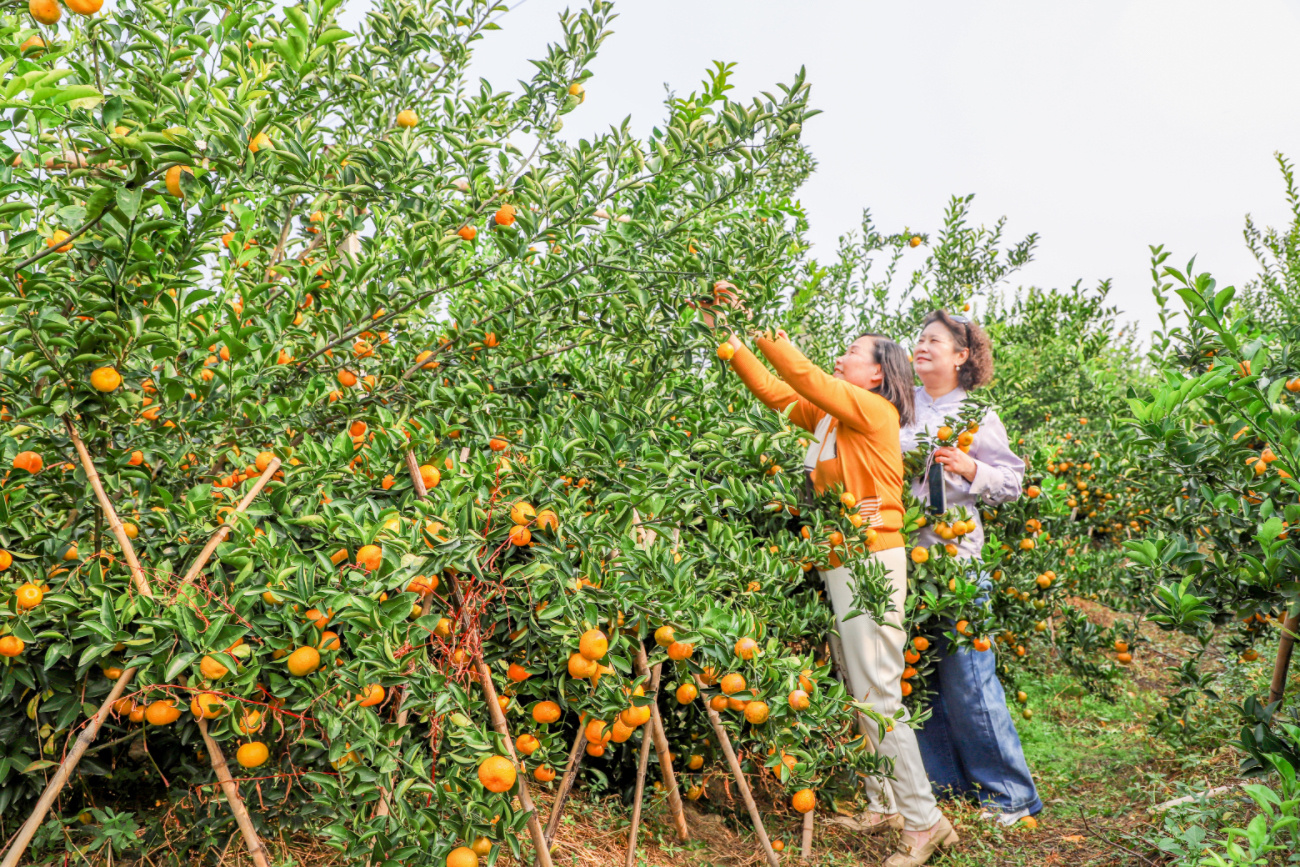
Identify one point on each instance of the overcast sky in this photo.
(1104, 126)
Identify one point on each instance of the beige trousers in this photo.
(873, 663)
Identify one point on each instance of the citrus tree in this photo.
(456, 375)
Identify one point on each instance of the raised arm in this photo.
(856, 407)
(770, 390)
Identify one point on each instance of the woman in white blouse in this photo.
(969, 744)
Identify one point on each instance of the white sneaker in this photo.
(1005, 819)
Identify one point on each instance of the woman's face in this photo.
(858, 366)
(936, 356)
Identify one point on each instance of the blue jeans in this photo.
(969, 744)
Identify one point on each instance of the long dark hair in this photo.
(896, 384)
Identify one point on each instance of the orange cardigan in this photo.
(868, 461)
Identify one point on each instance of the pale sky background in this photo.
(1105, 126)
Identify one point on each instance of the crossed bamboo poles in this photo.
(257, 851)
(24, 837)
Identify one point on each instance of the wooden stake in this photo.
(540, 844)
(739, 775)
(566, 783)
(1278, 687)
(646, 737)
(255, 848)
(665, 756)
(114, 525)
(805, 846)
(224, 530)
(55, 785)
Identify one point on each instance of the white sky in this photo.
(1105, 126)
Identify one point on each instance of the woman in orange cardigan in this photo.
(855, 416)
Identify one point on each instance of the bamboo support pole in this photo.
(566, 783)
(1283, 662)
(805, 844)
(245, 822)
(224, 530)
(742, 784)
(665, 756)
(647, 735)
(91, 731)
(540, 843)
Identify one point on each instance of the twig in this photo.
(1088, 830)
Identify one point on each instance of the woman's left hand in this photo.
(957, 461)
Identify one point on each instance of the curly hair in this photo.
(967, 334)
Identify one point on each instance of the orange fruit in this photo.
(1125, 658)
(757, 712)
(29, 461)
(635, 716)
(906, 688)
(259, 141)
(746, 648)
(687, 693)
(522, 513)
(11, 645)
(546, 712)
(207, 705)
(173, 179)
(252, 755)
(45, 11)
(468, 233)
(36, 42)
(406, 118)
(517, 673)
(527, 744)
(211, 669)
(597, 732)
(372, 695)
(581, 667)
(105, 379)
(1033, 491)
(369, 557)
(726, 351)
(595, 750)
(982, 644)
(303, 661)
(28, 596)
(496, 773)
(921, 643)
(718, 703)
(732, 683)
(462, 856)
(778, 845)
(1121, 646)
(430, 475)
(680, 651)
(482, 847)
(519, 536)
(664, 636)
(798, 700)
(914, 241)
(803, 801)
(505, 215)
(162, 712)
(347, 378)
(250, 722)
(593, 644)
(544, 774)
(920, 555)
